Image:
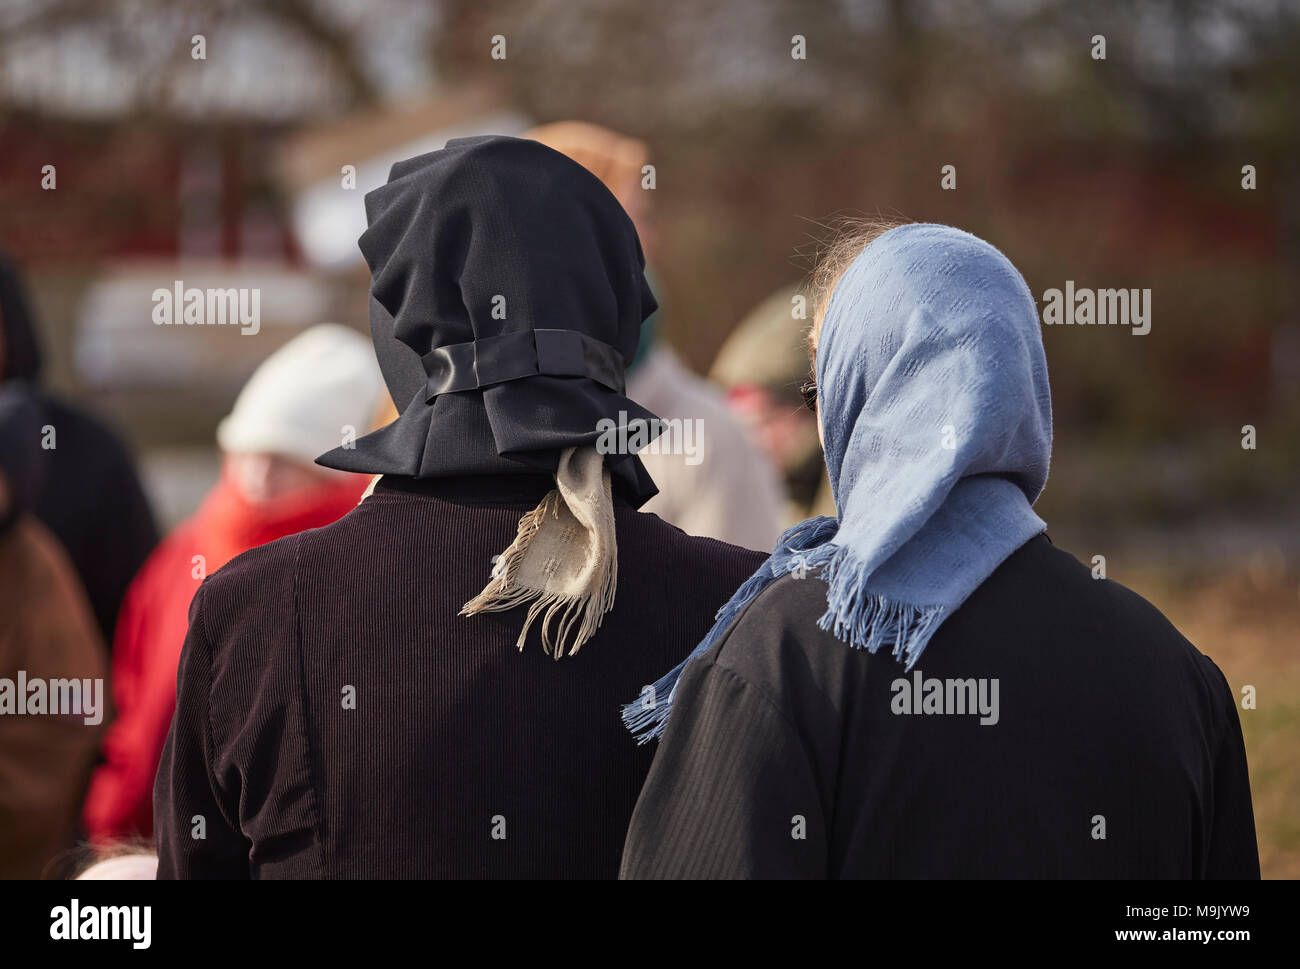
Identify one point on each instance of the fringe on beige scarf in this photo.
(563, 562)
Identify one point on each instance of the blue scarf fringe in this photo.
(862, 621)
(867, 621)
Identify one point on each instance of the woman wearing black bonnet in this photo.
(430, 687)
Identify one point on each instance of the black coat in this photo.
(790, 755)
(87, 492)
(461, 756)
(92, 501)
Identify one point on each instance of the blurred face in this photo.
(780, 428)
(636, 203)
(262, 477)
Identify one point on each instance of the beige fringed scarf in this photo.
(564, 559)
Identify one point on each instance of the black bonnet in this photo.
(507, 296)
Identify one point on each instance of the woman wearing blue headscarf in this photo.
(924, 686)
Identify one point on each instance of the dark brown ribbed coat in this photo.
(47, 631)
(460, 756)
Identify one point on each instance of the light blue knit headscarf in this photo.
(937, 421)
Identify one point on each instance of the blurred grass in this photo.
(1248, 621)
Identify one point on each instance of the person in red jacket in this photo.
(313, 392)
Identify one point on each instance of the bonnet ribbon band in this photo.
(513, 356)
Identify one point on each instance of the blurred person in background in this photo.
(762, 365)
(429, 686)
(1062, 728)
(301, 401)
(130, 865)
(87, 470)
(47, 632)
(730, 492)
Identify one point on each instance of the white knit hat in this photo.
(302, 398)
